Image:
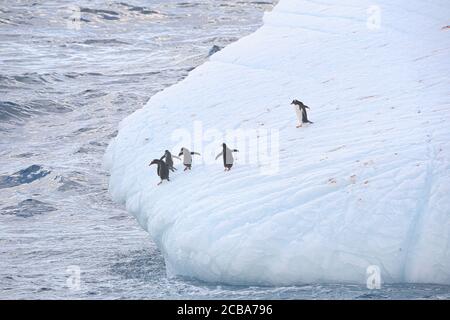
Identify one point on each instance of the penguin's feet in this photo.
(299, 126)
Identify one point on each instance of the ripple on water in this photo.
(101, 13)
(24, 176)
(67, 184)
(145, 265)
(28, 208)
(138, 9)
(18, 112)
(214, 49)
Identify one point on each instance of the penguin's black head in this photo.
(167, 151)
(224, 145)
(181, 152)
(295, 101)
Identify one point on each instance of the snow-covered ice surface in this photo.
(367, 184)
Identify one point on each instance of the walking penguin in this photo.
(227, 155)
(162, 170)
(300, 110)
(187, 158)
(169, 161)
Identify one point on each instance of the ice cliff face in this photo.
(367, 184)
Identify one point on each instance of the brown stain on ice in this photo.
(368, 97)
(368, 163)
(332, 181)
(336, 149)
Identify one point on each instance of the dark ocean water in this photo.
(69, 72)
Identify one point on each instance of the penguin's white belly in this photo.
(187, 158)
(298, 113)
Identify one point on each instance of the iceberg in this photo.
(368, 184)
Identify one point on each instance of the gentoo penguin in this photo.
(162, 171)
(300, 110)
(227, 155)
(169, 161)
(187, 159)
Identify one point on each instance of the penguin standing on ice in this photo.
(187, 158)
(169, 161)
(227, 155)
(162, 170)
(300, 110)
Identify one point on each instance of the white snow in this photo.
(367, 184)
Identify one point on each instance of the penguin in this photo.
(300, 109)
(187, 158)
(162, 170)
(227, 155)
(169, 161)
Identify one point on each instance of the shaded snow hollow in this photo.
(367, 184)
